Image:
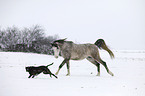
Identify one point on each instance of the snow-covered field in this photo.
(128, 68)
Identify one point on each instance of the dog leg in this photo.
(30, 76)
(50, 75)
(33, 76)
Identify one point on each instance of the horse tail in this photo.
(102, 45)
(50, 64)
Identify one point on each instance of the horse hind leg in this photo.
(98, 59)
(93, 61)
(105, 65)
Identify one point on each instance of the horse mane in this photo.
(69, 41)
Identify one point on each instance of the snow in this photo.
(128, 68)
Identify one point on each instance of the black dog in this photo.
(34, 71)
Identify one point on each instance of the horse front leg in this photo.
(60, 66)
(68, 68)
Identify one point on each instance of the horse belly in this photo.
(78, 56)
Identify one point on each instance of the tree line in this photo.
(31, 39)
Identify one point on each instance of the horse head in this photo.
(56, 46)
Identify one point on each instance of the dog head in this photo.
(27, 69)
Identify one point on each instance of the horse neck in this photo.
(66, 46)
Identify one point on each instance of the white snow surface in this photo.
(128, 80)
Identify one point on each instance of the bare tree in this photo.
(31, 34)
(9, 36)
(30, 39)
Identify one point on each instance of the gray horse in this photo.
(72, 51)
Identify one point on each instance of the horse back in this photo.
(79, 51)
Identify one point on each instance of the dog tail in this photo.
(55, 76)
(102, 45)
(50, 64)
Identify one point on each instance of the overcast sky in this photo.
(121, 23)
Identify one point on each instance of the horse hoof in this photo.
(98, 74)
(67, 74)
(112, 74)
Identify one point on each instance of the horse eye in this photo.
(55, 45)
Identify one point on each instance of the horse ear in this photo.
(61, 40)
(64, 39)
